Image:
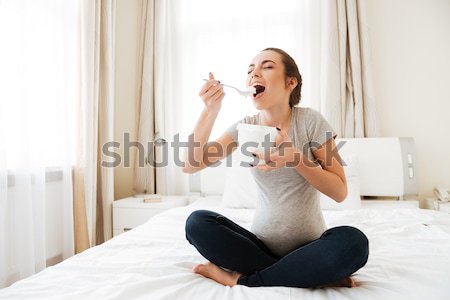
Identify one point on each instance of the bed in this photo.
(409, 259)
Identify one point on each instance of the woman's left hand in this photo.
(283, 155)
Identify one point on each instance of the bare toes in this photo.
(198, 268)
(216, 273)
(345, 282)
(352, 282)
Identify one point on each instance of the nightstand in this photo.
(132, 211)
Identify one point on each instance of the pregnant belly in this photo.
(283, 235)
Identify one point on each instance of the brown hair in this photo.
(290, 70)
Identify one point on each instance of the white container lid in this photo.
(247, 126)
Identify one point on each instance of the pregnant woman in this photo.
(289, 244)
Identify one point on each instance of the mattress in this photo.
(409, 259)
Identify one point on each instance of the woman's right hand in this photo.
(212, 94)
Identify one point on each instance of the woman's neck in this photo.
(277, 117)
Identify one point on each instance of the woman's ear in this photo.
(291, 83)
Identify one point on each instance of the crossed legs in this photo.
(327, 261)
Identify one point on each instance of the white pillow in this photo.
(353, 199)
(240, 189)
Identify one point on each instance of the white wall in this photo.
(410, 54)
(410, 42)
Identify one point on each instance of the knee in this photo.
(354, 244)
(196, 222)
(360, 245)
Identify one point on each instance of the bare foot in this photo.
(345, 282)
(217, 274)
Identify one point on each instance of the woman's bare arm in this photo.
(206, 153)
(202, 153)
(329, 177)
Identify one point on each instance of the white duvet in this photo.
(409, 259)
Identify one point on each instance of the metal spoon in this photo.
(246, 93)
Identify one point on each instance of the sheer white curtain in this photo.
(94, 183)
(144, 173)
(38, 56)
(340, 68)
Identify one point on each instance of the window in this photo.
(38, 79)
(223, 37)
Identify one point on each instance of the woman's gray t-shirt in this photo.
(288, 212)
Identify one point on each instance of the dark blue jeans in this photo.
(339, 252)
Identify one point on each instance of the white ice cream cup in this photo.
(254, 138)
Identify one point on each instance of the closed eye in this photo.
(265, 67)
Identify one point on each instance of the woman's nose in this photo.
(255, 74)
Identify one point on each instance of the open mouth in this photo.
(259, 89)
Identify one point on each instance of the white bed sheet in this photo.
(409, 259)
